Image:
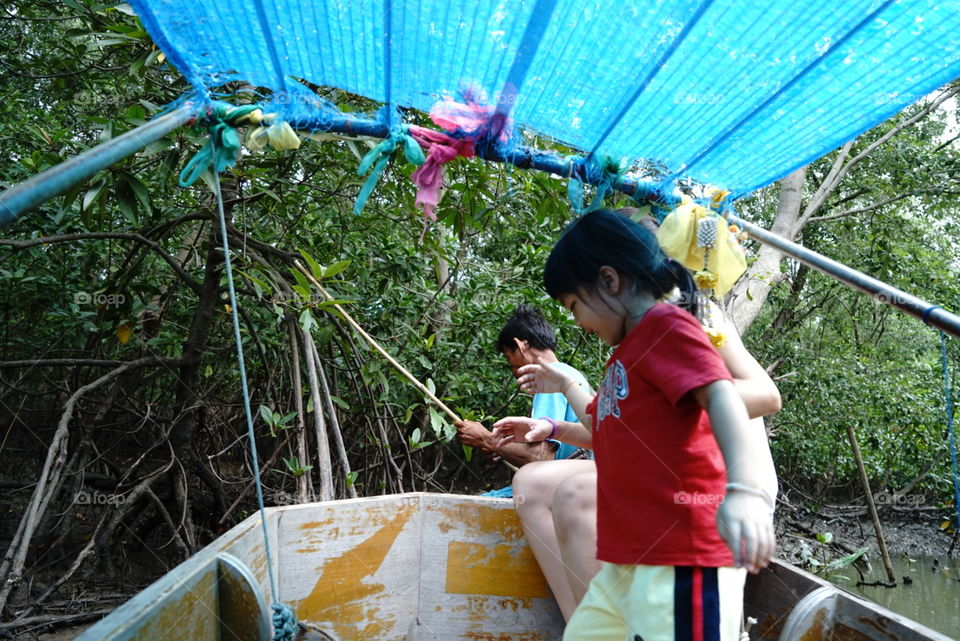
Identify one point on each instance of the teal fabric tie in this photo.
(222, 148)
(610, 173)
(575, 185)
(601, 170)
(379, 156)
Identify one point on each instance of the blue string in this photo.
(948, 392)
(283, 618)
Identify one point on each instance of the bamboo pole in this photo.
(375, 345)
(47, 184)
(871, 506)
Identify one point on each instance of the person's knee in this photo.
(533, 486)
(575, 501)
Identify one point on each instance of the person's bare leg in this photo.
(575, 522)
(533, 488)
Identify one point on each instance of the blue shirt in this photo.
(553, 406)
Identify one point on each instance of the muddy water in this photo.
(933, 598)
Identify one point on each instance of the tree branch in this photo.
(60, 362)
(830, 183)
(16, 555)
(859, 210)
(65, 238)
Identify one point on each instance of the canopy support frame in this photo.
(47, 184)
(37, 189)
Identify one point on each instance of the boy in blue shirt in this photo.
(526, 338)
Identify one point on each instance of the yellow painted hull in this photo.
(427, 567)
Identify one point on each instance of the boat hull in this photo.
(425, 567)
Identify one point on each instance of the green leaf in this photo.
(336, 268)
(436, 422)
(266, 415)
(306, 320)
(92, 195)
(301, 280)
(140, 191)
(843, 562)
(315, 268)
(467, 452)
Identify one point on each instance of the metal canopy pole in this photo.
(56, 180)
(930, 314)
(35, 190)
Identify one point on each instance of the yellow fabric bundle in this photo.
(678, 238)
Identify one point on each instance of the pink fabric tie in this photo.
(428, 178)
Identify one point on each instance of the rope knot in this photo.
(285, 625)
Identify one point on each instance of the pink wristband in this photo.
(552, 422)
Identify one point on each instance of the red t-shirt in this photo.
(661, 475)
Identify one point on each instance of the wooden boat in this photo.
(419, 567)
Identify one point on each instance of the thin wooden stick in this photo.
(373, 343)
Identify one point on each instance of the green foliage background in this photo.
(77, 73)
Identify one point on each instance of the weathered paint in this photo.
(484, 520)
(190, 614)
(497, 570)
(239, 608)
(343, 595)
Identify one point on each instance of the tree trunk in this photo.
(749, 295)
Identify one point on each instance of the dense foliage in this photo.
(127, 269)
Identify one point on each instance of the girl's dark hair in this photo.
(529, 325)
(603, 237)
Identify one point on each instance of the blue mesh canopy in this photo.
(729, 92)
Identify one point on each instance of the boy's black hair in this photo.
(529, 325)
(603, 237)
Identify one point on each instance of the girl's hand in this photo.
(541, 378)
(521, 429)
(745, 523)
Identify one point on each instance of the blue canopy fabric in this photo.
(731, 93)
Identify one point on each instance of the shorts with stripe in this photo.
(660, 603)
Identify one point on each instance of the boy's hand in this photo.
(521, 429)
(745, 523)
(474, 434)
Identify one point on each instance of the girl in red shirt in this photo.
(684, 495)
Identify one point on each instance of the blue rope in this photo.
(948, 392)
(284, 620)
